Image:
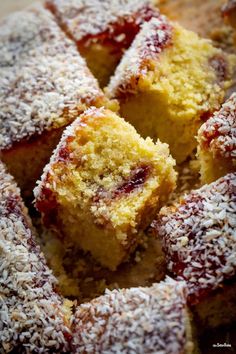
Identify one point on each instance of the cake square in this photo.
(103, 185)
(34, 317)
(217, 143)
(199, 243)
(103, 30)
(136, 320)
(44, 85)
(170, 81)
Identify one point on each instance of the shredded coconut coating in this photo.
(199, 237)
(218, 134)
(84, 19)
(136, 320)
(31, 313)
(44, 82)
(154, 36)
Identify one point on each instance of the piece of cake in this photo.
(136, 320)
(217, 143)
(44, 85)
(103, 30)
(169, 82)
(33, 317)
(104, 184)
(229, 12)
(199, 242)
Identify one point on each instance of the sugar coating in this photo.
(43, 80)
(199, 236)
(135, 320)
(151, 40)
(31, 313)
(86, 18)
(218, 134)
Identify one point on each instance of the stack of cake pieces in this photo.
(101, 184)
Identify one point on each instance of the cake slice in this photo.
(33, 317)
(199, 242)
(103, 30)
(103, 185)
(136, 320)
(44, 85)
(217, 143)
(169, 82)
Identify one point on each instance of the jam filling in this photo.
(205, 116)
(118, 35)
(49, 206)
(210, 135)
(64, 154)
(137, 179)
(121, 34)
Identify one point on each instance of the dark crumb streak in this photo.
(138, 177)
(136, 180)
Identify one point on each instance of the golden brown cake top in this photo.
(199, 236)
(109, 21)
(32, 318)
(134, 320)
(43, 80)
(154, 36)
(218, 134)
